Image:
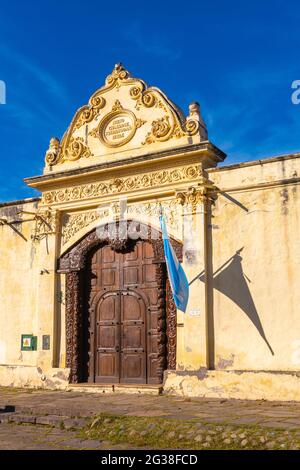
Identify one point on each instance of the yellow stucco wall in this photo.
(254, 233)
(26, 299)
(256, 295)
(18, 286)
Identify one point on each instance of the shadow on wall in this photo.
(231, 281)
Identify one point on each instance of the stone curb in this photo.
(50, 420)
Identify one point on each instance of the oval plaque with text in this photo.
(117, 128)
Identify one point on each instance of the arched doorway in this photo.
(120, 315)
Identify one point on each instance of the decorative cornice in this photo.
(123, 185)
(200, 152)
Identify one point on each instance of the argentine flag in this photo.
(178, 280)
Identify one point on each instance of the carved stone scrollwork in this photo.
(115, 113)
(75, 222)
(77, 149)
(192, 198)
(161, 130)
(89, 112)
(146, 98)
(74, 148)
(169, 126)
(118, 75)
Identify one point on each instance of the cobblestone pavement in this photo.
(242, 412)
(13, 437)
(37, 419)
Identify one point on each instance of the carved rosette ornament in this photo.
(73, 263)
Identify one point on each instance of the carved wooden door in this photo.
(125, 308)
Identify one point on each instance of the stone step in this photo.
(147, 389)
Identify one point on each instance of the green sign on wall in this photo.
(28, 343)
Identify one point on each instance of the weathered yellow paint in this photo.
(240, 386)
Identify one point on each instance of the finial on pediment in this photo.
(53, 151)
(194, 109)
(195, 116)
(118, 74)
(119, 66)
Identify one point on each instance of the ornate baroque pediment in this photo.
(124, 119)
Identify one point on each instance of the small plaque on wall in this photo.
(46, 342)
(195, 313)
(28, 343)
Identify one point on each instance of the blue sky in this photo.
(237, 58)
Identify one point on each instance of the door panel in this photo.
(133, 338)
(133, 368)
(108, 338)
(131, 275)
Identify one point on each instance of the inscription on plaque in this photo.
(118, 129)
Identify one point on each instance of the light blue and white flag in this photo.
(178, 280)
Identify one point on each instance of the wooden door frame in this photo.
(73, 262)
